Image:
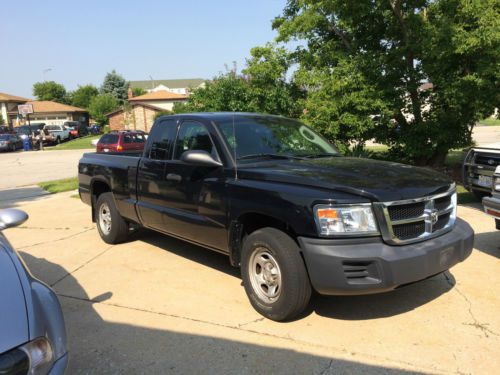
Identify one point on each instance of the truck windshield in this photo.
(273, 137)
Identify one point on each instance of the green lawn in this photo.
(465, 196)
(76, 144)
(58, 186)
(490, 121)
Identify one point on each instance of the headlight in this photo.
(33, 358)
(345, 220)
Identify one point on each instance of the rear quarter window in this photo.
(109, 138)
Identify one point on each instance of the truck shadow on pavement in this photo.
(10, 198)
(101, 343)
(488, 243)
(364, 307)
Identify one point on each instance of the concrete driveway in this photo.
(158, 305)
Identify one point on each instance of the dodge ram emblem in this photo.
(434, 217)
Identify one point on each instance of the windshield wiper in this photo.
(322, 155)
(268, 156)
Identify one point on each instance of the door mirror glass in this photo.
(200, 158)
(12, 218)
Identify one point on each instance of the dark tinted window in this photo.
(193, 136)
(109, 138)
(139, 138)
(162, 137)
(128, 138)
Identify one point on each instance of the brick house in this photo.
(142, 110)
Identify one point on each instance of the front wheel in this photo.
(274, 274)
(112, 228)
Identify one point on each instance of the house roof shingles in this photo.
(170, 83)
(158, 95)
(45, 106)
(12, 98)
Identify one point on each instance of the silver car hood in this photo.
(13, 315)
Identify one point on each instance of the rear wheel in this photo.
(497, 223)
(274, 274)
(111, 226)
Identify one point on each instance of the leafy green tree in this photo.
(391, 48)
(115, 85)
(263, 87)
(82, 96)
(102, 104)
(50, 90)
(138, 91)
(226, 92)
(271, 91)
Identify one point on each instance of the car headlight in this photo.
(33, 358)
(345, 219)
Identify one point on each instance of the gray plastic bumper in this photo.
(368, 265)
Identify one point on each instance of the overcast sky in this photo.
(82, 40)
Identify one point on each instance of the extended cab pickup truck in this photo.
(283, 204)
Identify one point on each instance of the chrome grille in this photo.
(418, 219)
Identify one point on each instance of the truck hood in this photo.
(13, 318)
(373, 179)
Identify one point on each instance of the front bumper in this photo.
(366, 266)
(492, 206)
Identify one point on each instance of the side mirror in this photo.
(200, 158)
(12, 218)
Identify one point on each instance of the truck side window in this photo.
(162, 136)
(193, 136)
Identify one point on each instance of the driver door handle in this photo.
(174, 177)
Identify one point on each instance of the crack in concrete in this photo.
(82, 265)
(56, 240)
(327, 368)
(250, 322)
(238, 328)
(476, 324)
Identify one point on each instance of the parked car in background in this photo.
(10, 142)
(492, 204)
(32, 331)
(77, 129)
(26, 131)
(61, 133)
(94, 129)
(122, 141)
(478, 169)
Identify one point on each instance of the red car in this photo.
(122, 141)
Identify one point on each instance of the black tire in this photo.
(106, 211)
(294, 288)
(58, 140)
(497, 224)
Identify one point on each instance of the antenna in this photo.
(234, 151)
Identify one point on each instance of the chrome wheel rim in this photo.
(265, 275)
(105, 219)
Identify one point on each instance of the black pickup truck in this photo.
(283, 204)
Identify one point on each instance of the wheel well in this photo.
(98, 188)
(249, 223)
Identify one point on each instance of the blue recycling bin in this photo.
(27, 144)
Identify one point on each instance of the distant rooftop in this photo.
(12, 98)
(45, 106)
(158, 95)
(170, 83)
